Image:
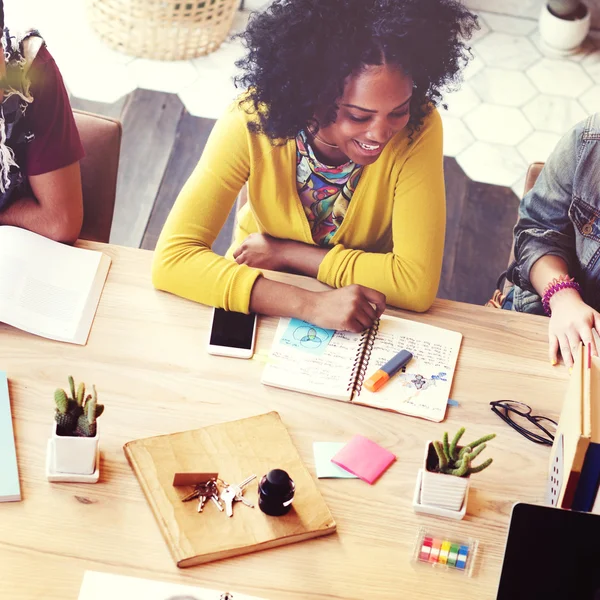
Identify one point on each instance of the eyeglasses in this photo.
(519, 417)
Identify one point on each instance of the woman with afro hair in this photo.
(339, 144)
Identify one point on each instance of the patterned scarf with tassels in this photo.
(15, 132)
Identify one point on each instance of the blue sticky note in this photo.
(324, 452)
(10, 490)
(306, 337)
(452, 402)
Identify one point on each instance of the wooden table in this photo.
(147, 356)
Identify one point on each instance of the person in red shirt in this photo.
(40, 148)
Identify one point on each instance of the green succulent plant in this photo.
(76, 415)
(456, 460)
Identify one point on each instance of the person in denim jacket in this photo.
(557, 238)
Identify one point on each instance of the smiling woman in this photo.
(339, 143)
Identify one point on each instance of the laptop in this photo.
(551, 554)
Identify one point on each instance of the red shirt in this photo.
(57, 143)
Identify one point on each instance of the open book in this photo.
(334, 364)
(47, 288)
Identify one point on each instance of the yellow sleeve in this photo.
(184, 263)
(409, 275)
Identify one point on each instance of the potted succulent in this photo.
(443, 482)
(564, 24)
(75, 437)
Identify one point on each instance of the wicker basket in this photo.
(162, 29)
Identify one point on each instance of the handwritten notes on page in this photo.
(329, 373)
(106, 586)
(423, 387)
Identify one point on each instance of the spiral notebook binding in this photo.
(361, 363)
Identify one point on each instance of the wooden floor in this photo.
(162, 143)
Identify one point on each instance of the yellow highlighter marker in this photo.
(382, 376)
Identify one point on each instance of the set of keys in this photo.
(206, 490)
(209, 490)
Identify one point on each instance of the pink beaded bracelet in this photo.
(563, 282)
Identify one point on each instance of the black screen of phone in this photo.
(551, 554)
(232, 329)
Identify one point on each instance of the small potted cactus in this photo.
(445, 477)
(75, 437)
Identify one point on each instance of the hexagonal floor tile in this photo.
(209, 95)
(559, 77)
(492, 163)
(163, 76)
(507, 24)
(502, 86)
(456, 135)
(481, 32)
(461, 101)
(497, 124)
(591, 99)
(223, 58)
(97, 80)
(591, 65)
(538, 145)
(507, 51)
(519, 186)
(474, 66)
(553, 113)
(586, 47)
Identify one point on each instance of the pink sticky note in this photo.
(364, 458)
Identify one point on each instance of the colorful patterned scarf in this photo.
(325, 191)
(15, 132)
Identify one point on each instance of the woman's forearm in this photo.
(546, 269)
(27, 213)
(301, 258)
(279, 299)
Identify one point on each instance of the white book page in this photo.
(307, 359)
(106, 586)
(424, 388)
(44, 285)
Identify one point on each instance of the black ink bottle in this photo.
(276, 493)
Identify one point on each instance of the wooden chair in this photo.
(530, 178)
(101, 139)
(532, 174)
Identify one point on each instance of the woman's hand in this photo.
(262, 251)
(571, 322)
(352, 308)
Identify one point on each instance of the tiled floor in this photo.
(511, 109)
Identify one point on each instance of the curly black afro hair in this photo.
(300, 53)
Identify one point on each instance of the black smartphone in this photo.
(232, 334)
(551, 554)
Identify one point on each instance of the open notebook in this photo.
(49, 289)
(334, 364)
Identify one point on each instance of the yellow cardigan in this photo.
(391, 239)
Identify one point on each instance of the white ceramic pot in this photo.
(561, 37)
(75, 455)
(441, 490)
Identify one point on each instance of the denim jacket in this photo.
(561, 216)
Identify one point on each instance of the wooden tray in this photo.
(235, 450)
